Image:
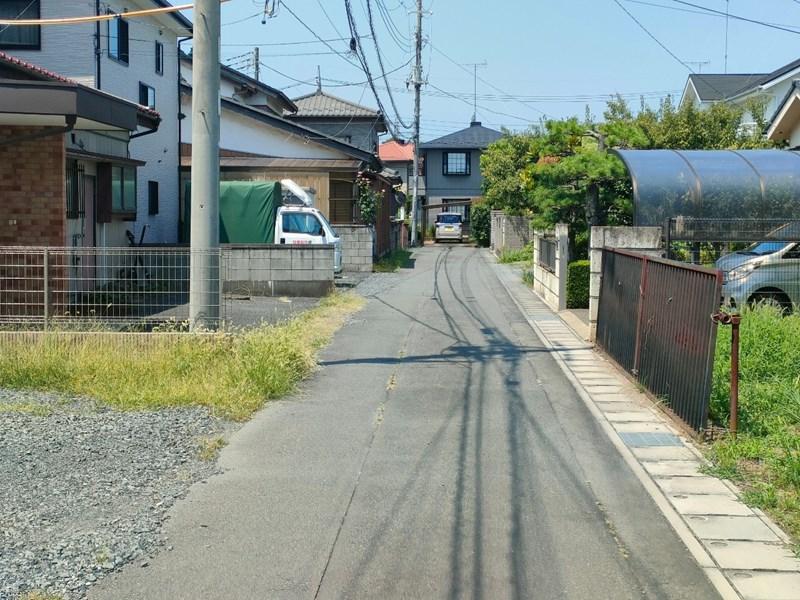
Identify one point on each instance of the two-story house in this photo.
(135, 59)
(452, 167)
(778, 90)
(357, 125)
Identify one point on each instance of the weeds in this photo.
(524, 254)
(528, 278)
(396, 259)
(210, 447)
(232, 374)
(764, 459)
(26, 408)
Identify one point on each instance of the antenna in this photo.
(319, 79)
(698, 63)
(475, 66)
(727, 18)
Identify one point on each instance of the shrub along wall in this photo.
(578, 284)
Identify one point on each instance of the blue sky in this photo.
(556, 56)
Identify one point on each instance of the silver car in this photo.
(766, 271)
(449, 226)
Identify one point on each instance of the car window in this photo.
(301, 223)
(450, 219)
(764, 248)
(793, 252)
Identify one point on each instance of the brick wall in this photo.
(357, 247)
(32, 204)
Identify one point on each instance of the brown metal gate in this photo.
(654, 319)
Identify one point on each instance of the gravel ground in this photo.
(377, 283)
(84, 489)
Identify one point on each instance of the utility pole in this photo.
(204, 283)
(417, 81)
(257, 54)
(475, 86)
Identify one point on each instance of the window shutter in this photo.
(103, 192)
(124, 54)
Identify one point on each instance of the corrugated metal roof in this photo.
(474, 136)
(321, 104)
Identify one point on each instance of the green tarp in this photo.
(247, 211)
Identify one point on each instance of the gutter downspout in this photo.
(98, 47)
(142, 134)
(69, 125)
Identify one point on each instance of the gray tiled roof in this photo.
(474, 136)
(320, 104)
(717, 86)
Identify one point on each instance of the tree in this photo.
(564, 172)
(501, 165)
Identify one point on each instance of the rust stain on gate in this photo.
(654, 320)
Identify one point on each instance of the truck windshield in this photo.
(328, 225)
(301, 223)
(450, 219)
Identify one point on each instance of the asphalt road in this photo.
(438, 453)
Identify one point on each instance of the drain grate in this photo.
(646, 439)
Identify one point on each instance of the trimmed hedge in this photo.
(578, 284)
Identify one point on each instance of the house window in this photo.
(118, 48)
(147, 95)
(17, 37)
(456, 163)
(123, 189)
(159, 58)
(152, 197)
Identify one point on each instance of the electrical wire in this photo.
(482, 80)
(380, 63)
(22, 12)
(737, 17)
(95, 18)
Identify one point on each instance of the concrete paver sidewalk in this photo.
(736, 542)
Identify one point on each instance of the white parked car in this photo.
(449, 226)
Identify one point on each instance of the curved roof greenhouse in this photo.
(747, 184)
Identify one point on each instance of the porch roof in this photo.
(52, 103)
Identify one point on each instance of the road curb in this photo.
(758, 567)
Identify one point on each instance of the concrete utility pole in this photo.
(417, 81)
(204, 284)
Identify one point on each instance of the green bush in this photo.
(578, 284)
(480, 216)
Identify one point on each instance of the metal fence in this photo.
(547, 253)
(759, 258)
(654, 319)
(110, 288)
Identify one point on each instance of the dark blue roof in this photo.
(474, 136)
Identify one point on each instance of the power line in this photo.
(95, 18)
(380, 63)
(302, 43)
(737, 17)
(482, 80)
(654, 38)
(703, 11)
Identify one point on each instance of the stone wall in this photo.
(645, 240)
(32, 197)
(357, 247)
(278, 270)
(509, 232)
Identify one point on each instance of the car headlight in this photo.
(741, 271)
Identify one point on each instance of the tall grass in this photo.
(524, 254)
(765, 457)
(231, 373)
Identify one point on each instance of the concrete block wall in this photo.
(357, 247)
(644, 240)
(509, 232)
(551, 286)
(278, 270)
